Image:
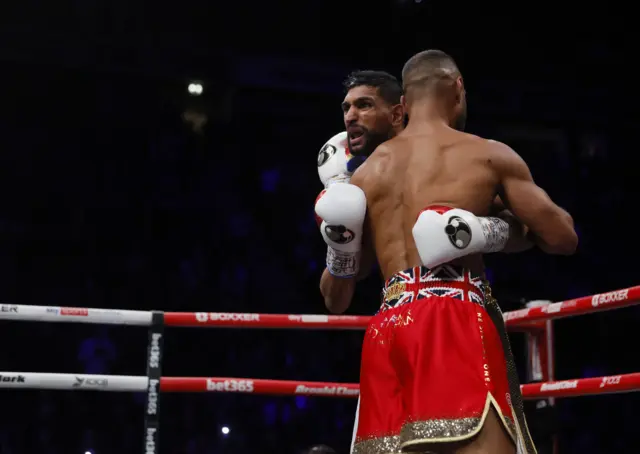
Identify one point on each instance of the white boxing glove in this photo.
(443, 234)
(335, 162)
(341, 208)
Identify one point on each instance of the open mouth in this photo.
(356, 138)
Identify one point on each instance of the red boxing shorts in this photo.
(433, 364)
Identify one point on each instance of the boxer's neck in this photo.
(429, 110)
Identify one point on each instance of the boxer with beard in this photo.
(372, 114)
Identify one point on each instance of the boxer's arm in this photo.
(337, 292)
(551, 227)
(333, 168)
(519, 238)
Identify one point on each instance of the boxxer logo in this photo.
(458, 231)
(609, 297)
(325, 154)
(339, 234)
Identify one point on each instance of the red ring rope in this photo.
(520, 320)
(563, 388)
(122, 383)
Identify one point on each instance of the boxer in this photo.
(372, 114)
(437, 373)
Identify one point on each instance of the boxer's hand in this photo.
(443, 234)
(341, 208)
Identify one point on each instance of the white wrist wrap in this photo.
(343, 264)
(496, 233)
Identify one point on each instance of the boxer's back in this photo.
(414, 170)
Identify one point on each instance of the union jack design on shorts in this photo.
(420, 282)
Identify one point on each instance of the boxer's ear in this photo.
(405, 110)
(459, 88)
(397, 114)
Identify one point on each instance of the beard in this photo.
(370, 141)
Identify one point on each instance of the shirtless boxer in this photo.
(372, 113)
(434, 376)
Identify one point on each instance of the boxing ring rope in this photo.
(534, 319)
(522, 318)
(127, 383)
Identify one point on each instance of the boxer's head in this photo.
(432, 80)
(372, 110)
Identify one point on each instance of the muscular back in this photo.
(411, 171)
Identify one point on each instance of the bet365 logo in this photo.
(242, 386)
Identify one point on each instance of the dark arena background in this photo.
(163, 157)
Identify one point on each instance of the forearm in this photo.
(337, 291)
(342, 209)
(520, 239)
(564, 239)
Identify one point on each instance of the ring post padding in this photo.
(538, 360)
(540, 351)
(154, 374)
(540, 368)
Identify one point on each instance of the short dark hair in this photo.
(426, 68)
(388, 86)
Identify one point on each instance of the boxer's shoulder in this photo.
(499, 151)
(472, 141)
(386, 151)
(491, 149)
(497, 146)
(506, 161)
(374, 169)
